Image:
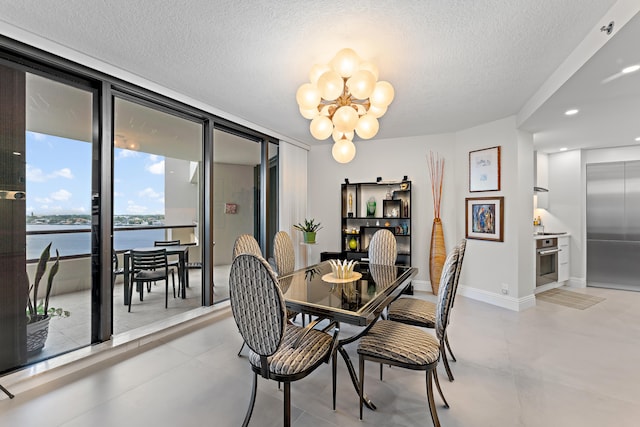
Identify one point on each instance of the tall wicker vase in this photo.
(437, 255)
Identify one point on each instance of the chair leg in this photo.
(131, 286)
(445, 361)
(334, 375)
(435, 378)
(432, 404)
(173, 280)
(361, 391)
(247, 417)
(241, 347)
(287, 404)
(166, 292)
(381, 372)
(446, 341)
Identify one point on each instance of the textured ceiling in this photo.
(454, 64)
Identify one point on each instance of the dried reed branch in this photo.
(436, 171)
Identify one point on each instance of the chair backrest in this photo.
(382, 248)
(149, 260)
(283, 253)
(166, 243)
(257, 304)
(445, 293)
(114, 260)
(246, 244)
(462, 247)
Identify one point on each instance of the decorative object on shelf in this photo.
(371, 206)
(353, 243)
(39, 313)
(342, 269)
(437, 252)
(484, 170)
(485, 218)
(344, 98)
(389, 195)
(309, 229)
(350, 212)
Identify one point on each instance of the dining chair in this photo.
(285, 261)
(116, 270)
(283, 254)
(279, 350)
(383, 248)
(419, 312)
(397, 344)
(150, 266)
(172, 260)
(246, 244)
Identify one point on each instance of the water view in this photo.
(80, 243)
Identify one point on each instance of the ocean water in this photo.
(80, 243)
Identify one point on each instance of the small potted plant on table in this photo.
(38, 312)
(309, 229)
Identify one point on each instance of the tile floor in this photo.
(547, 366)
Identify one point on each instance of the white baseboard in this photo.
(504, 301)
(577, 282)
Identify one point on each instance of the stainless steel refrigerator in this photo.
(613, 225)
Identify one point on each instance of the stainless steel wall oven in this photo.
(546, 261)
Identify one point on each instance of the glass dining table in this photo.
(358, 301)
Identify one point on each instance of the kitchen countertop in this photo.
(550, 235)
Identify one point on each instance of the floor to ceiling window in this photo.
(95, 167)
(156, 199)
(245, 200)
(45, 212)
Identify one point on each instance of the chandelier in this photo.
(344, 98)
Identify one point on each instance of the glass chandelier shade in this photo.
(343, 98)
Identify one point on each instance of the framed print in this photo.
(484, 170)
(485, 218)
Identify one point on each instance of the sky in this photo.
(59, 178)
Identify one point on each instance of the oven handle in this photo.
(549, 252)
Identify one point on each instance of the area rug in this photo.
(568, 298)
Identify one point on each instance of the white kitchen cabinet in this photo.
(563, 259)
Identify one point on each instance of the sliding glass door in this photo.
(45, 215)
(245, 197)
(157, 165)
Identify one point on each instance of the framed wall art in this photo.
(484, 170)
(485, 218)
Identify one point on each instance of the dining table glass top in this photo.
(314, 290)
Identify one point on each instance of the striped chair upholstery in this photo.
(279, 350)
(405, 346)
(246, 244)
(418, 312)
(382, 248)
(283, 254)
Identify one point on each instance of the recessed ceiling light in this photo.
(638, 139)
(631, 69)
(563, 149)
(571, 112)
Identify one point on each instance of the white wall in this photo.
(390, 159)
(488, 265)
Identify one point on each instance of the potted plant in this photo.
(309, 229)
(38, 312)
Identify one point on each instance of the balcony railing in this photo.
(75, 241)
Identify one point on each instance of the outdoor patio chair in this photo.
(147, 267)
